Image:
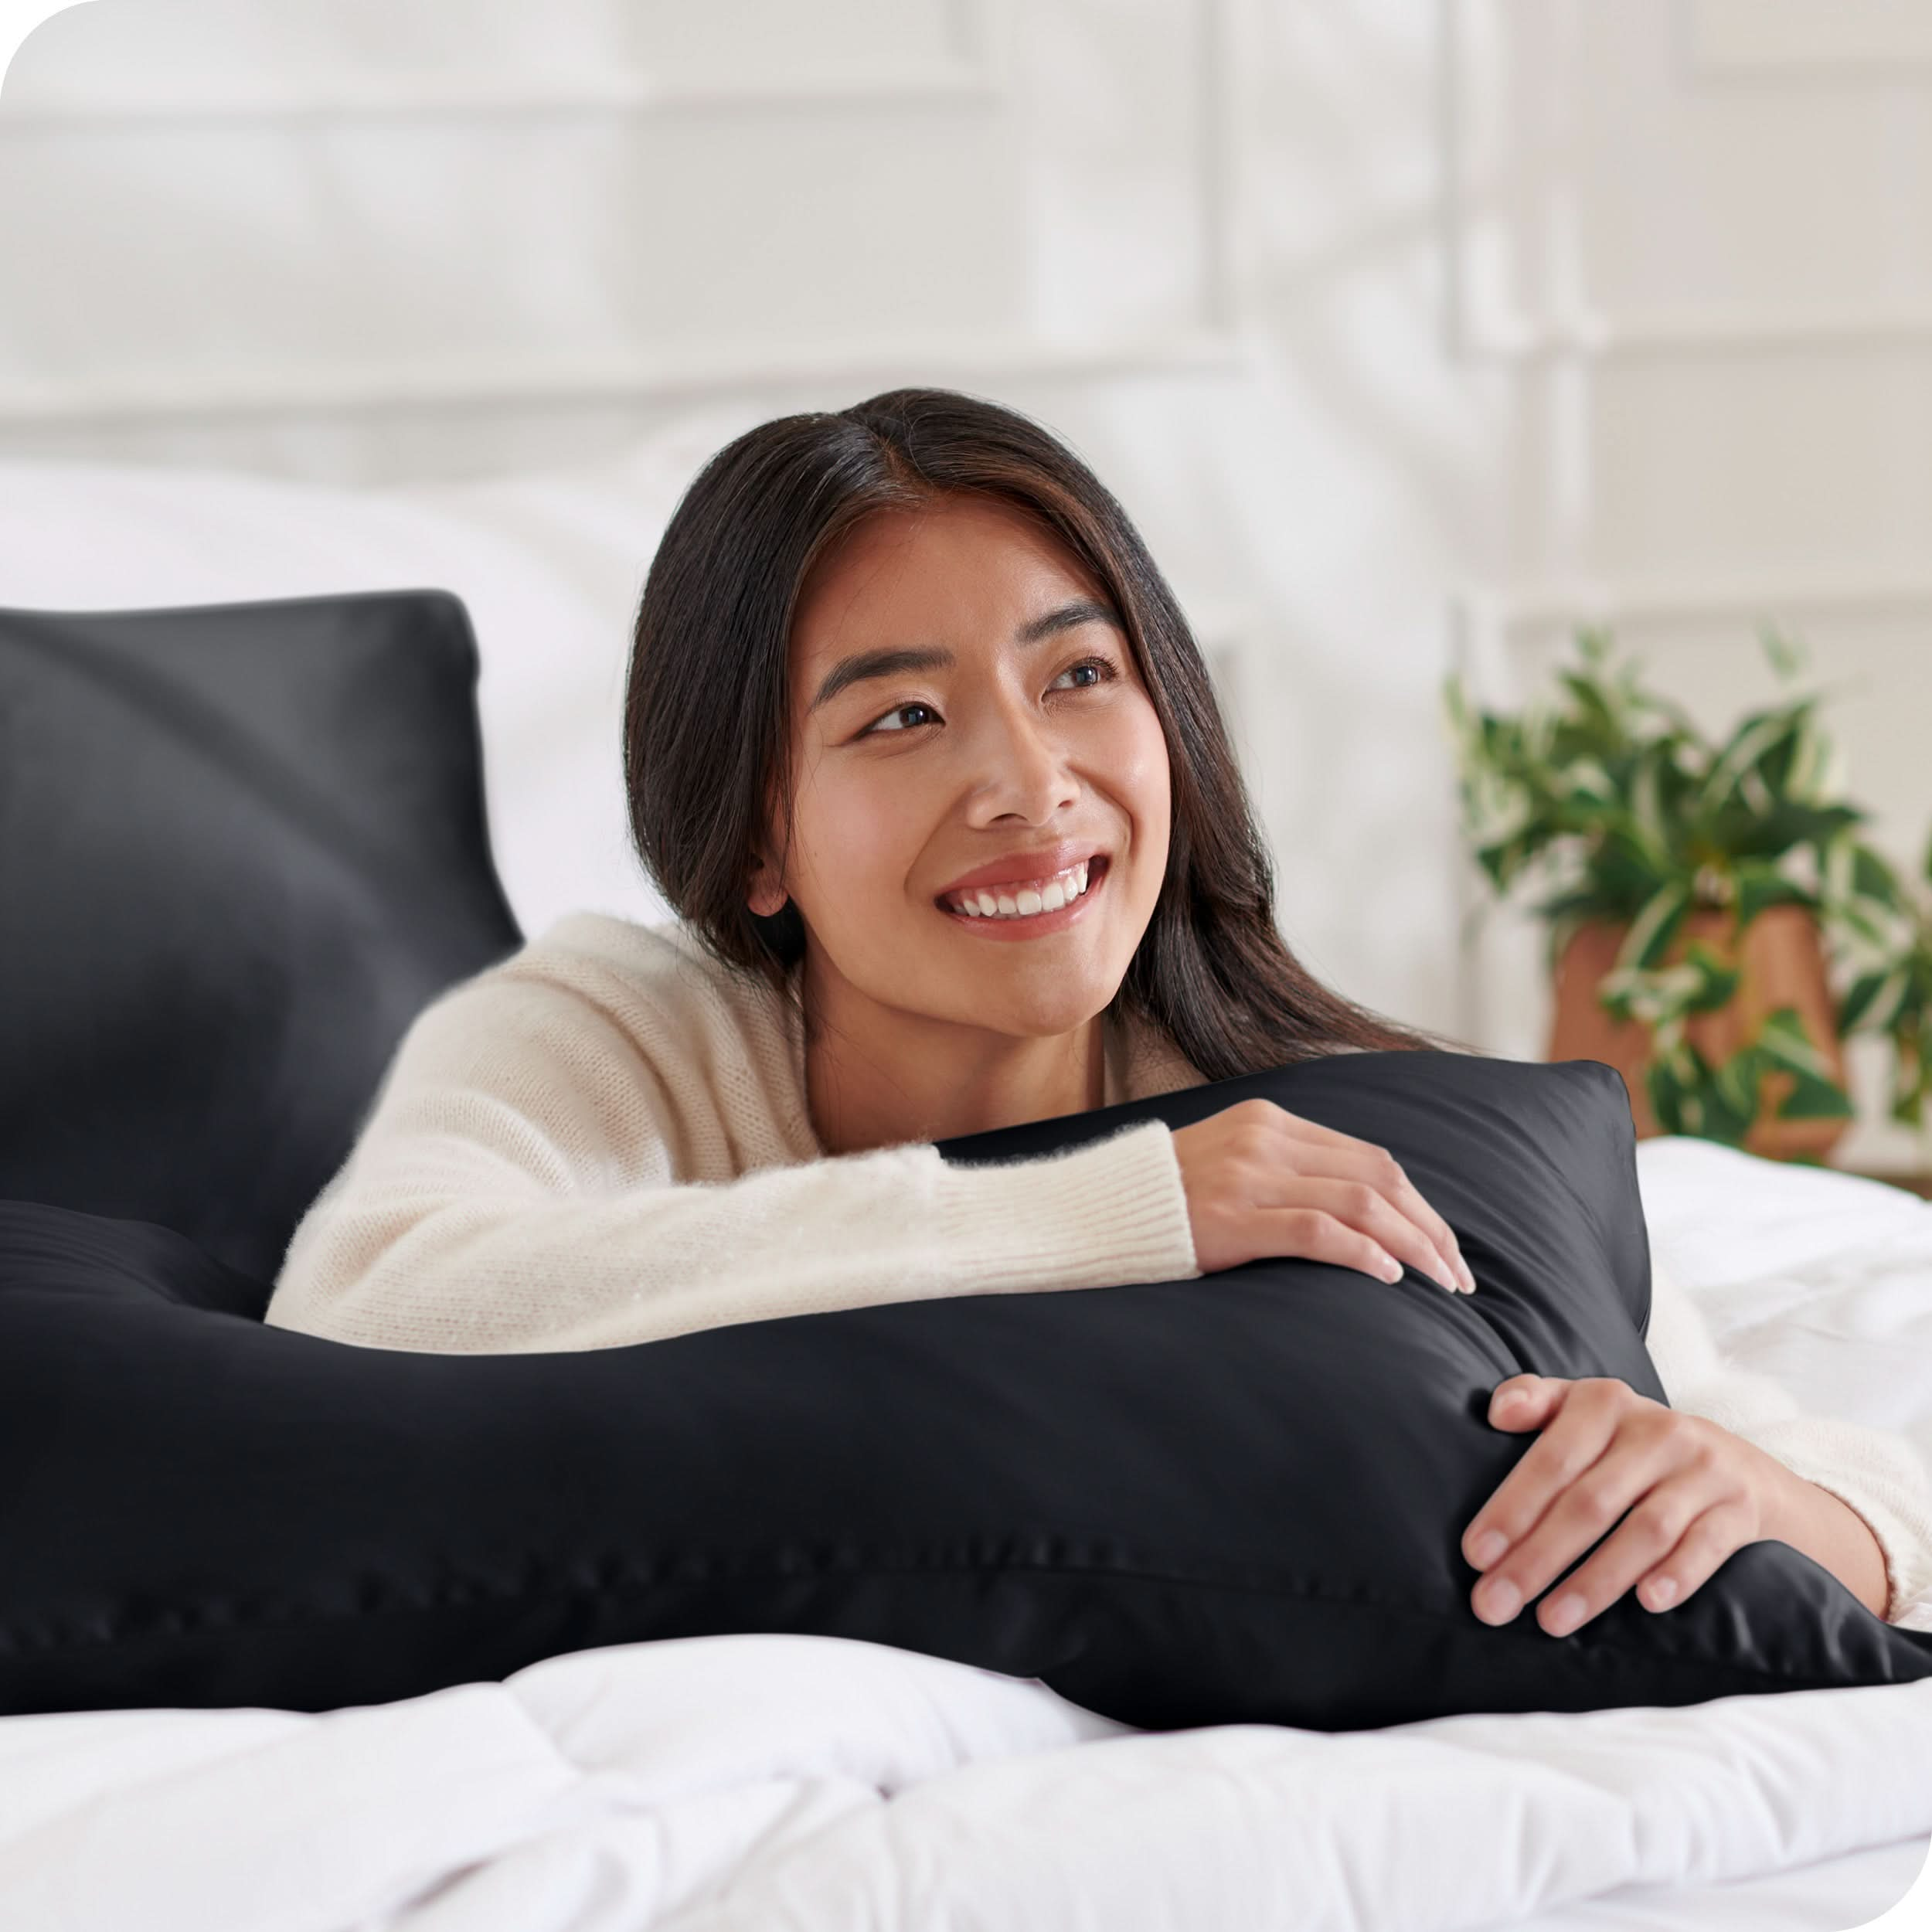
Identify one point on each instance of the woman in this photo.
(919, 745)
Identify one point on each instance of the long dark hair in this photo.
(707, 747)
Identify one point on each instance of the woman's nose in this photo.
(1023, 754)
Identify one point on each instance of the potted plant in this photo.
(1717, 926)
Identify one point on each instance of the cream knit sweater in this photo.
(604, 1139)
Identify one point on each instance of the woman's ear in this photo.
(766, 897)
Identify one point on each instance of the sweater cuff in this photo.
(1103, 1214)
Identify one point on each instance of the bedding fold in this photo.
(740, 1783)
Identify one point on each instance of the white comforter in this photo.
(746, 1784)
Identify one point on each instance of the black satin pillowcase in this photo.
(241, 846)
(1235, 1499)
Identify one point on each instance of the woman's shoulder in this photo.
(662, 960)
(705, 1025)
(612, 934)
(587, 973)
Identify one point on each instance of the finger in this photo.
(1580, 1431)
(1522, 1402)
(1701, 1552)
(1521, 1399)
(1666, 1548)
(1360, 1204)
(1625, 1513)
(1315, 1233)
(1360, 1160)
(1408, 1200)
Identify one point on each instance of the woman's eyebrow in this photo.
(864, 665)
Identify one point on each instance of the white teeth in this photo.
(1024, 902)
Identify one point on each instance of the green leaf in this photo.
(1786, 654)
(1784, 1038)
(1664, 1091)
(1811, 1099)
(1594, 713)
(1760, 884)
(1654, 997)
(1630, 870)
(1586, 902)
(1851, 912)
(1654, 928)
(1865, 994)
(1872, 876)
(1718, 980)
(1755, 735)
(1743, 832)
(1730, 1100)
(1737, 1082)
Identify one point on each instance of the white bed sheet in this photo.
(749, 1783)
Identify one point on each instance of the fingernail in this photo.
(1501, 1601)
(1565, 1614)
(1489, 1546)
(1469, 1276)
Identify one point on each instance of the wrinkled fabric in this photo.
(746, 1784)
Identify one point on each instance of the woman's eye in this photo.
(1107, 669)
(898, 711)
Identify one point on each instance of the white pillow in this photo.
(549, 563)
(1812, 1276)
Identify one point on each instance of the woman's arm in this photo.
(1852, 1483)
(515, 1187)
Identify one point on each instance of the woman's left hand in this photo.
(1693, 1492)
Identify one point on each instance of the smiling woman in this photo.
(892, 652)
(919, 745)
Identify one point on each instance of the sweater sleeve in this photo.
(1876, 1472)
(513, 1189)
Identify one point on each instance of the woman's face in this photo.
(910, 778)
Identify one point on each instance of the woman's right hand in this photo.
(1261, 1181)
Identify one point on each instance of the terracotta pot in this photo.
(1783, 965)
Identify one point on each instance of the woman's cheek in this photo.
(872, 828)
(1137, 763)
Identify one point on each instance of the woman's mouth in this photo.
(1009, 917)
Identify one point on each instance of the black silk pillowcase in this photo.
(241, 846)
(1234, 1499)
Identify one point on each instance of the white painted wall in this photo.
(1401, 329)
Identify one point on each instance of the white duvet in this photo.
(752, 1783)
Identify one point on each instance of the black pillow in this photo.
(242, 846)
(1237, 1498)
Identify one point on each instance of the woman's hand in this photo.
(1694, 1492)
(1261, 1181)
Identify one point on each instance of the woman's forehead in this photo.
(895, 562)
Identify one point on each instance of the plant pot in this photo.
(1783, 965)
